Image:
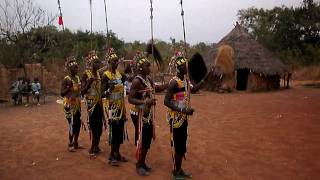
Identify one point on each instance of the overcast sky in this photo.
(206, 20)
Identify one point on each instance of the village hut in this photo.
(256, 68)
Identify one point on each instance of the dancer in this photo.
(142, 97)
(91, 90)
(177, 101)
(113, 92)
(70, 91)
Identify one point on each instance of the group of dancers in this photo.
(104, 94)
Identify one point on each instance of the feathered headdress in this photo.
(91, 57)
(111, 55)
(140, 59)
(70, 61)
(179, 58)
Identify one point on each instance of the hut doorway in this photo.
(242, 79)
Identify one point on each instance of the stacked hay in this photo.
(224, 63)
(225, 59)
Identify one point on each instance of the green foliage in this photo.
(292, 33)
(49, 45)
(45, 44)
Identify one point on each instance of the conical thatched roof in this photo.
(249, 53)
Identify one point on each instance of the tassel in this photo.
(139, 142)
(60, 21)
(110, 133)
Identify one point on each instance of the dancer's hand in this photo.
(105, 123)
(154, 136)
(90, 81)
(69, 85)
(188, 111)
(111, 87)
(84, 127)
(150, 102)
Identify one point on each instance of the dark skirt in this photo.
(76, 123)
(96, 121)
(116, 132)
(147, 132)
(180, 136)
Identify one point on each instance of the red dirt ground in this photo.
(273, 135)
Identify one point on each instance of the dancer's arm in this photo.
(134, 90)
(85, 84)
(66, 87)
(105, 87)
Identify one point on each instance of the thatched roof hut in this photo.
(256, 67)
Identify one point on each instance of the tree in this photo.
(18, 18)
(292, 33)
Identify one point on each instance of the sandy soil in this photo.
(273, 135)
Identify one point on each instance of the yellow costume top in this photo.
(72, 101)
(147, 92)
(180, 100)
(114, 103)
(93, 96)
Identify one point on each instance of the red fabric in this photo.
(60, 20)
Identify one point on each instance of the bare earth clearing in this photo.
(274, 135)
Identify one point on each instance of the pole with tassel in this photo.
(90, 1)
(60, 16)
(153, 73)
(106, 16)
(186, 54)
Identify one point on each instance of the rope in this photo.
(71, 125)
(139, 141)
(172, 146)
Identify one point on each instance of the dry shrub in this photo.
(307, 73)
(4, 82)
(57, 69)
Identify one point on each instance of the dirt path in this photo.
(272, 135)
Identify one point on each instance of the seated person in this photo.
(15, 91)
(26, 90)
(36, 87)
